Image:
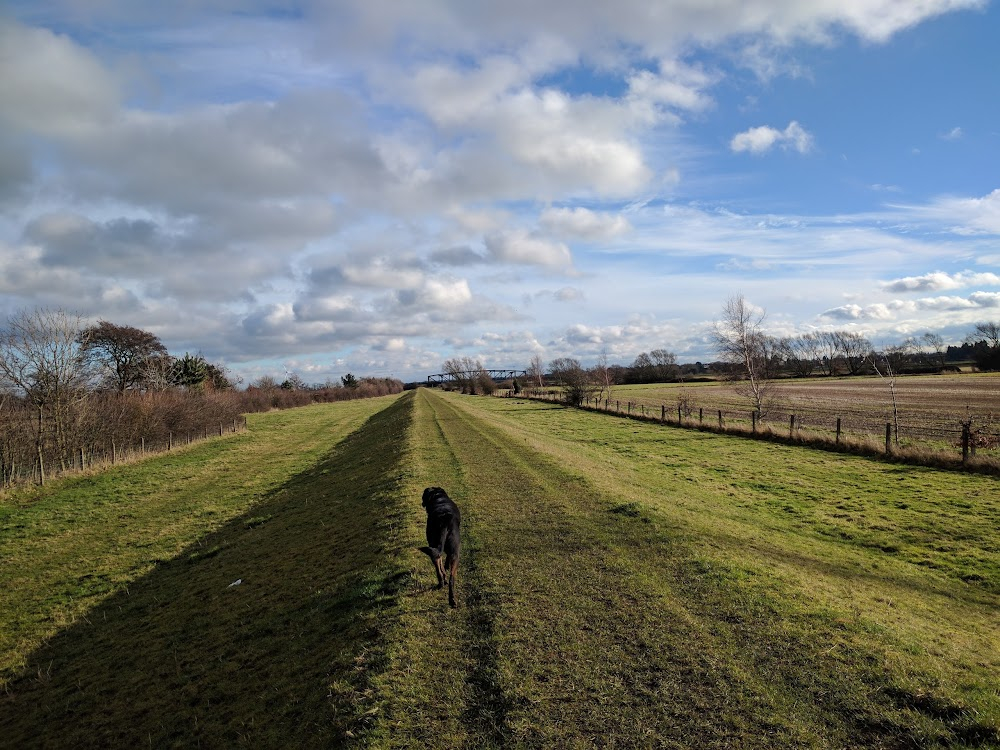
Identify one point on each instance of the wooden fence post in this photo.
(663, 413)
(791, 426)
(966, 435)
(170, 441)
(678, 413)
(720, 419)
(701, 415)
(838, 430)
(888, 437)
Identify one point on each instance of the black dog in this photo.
(443, 520)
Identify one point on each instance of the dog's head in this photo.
(432, 495)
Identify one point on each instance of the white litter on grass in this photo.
(237, 582)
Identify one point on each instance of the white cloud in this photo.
(444, 293)
(953, 135)
(382, 272)
(762, 139)
(964, 216)
(940, 281)
(675, 86)
(985, 299)
(583, 223)
(520, 247)
(52, 86)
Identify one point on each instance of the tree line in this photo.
(755, 359)
(68, 390)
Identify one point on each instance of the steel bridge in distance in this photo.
(495, 375)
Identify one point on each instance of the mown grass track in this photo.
(595, 620)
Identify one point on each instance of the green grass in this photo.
(125, 626)
(622, 585)
(832, 600)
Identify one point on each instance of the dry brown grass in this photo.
(926, 418)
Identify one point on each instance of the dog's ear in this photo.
(428, 493)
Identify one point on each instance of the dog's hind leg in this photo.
(452, 564)
(435, 556)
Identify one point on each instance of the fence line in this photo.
(844, 429)
(110, 453)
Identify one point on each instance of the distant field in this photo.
(622, 585)
(930, 409)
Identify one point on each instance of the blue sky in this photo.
(375, 187)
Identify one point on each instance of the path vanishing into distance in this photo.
(622, 585)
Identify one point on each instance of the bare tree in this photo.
(579, 384)
(805, 353)
(829, 347)
(937, 350)
(989, 332)
(887, 371)
(985, 341)
(604, 377)
(856, 349)
(642, 369)
(894, 358)
(469, 374)
(536, 371)
(40, 356)
(665, 364)
(740, 340)
(122, 353)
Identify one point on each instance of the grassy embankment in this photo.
(120, 625)
(622, 585)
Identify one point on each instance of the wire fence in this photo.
(24, 465)
(972, 440)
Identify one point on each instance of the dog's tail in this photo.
(431, 552)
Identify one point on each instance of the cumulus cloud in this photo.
(674, 85)
(439, 294)
(891, 310)
(940, 281)
(583, 223)
(51, 86)
(762, 139)
(522, 248)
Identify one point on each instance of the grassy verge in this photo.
(222, 596)
(636, 586)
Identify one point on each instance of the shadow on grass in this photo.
(262, 634)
